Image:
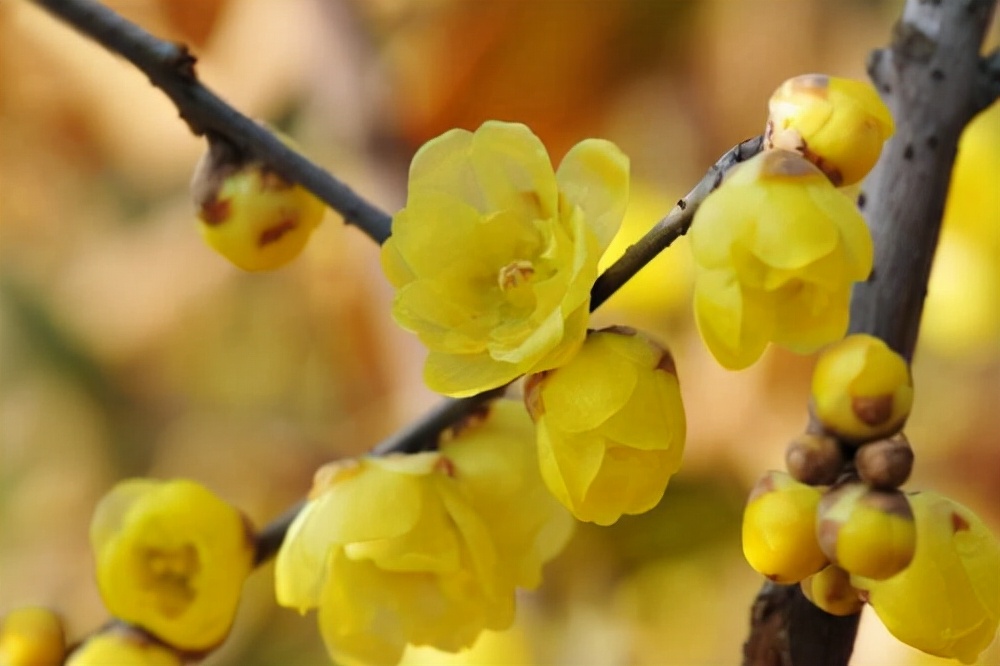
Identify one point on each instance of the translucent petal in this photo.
(792, 231)
(513, 170)
(734, 324)
(630, 481)
(594, 175)
(653, 417)
(461, 375)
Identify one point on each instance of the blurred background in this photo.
(128, 348)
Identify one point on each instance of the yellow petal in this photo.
(461, 375)
(594, 175)
(513, 170)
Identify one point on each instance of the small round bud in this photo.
(249, 214)
(866, 532)
(838, 124)
(779, 529)
(885, 463)
(830, 590)
(814, 458)
(31, 637)
(861, 389)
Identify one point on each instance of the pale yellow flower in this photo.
(171, 558)
(494, 255)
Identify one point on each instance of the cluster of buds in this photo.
(838, 524)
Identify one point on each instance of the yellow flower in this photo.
(31, 637)
(118, 647)
(838, 124)
(171, 558)
(776, 250)
(947, 602)
(251, 215)
(861, 389)
(423, 549)
(494, 255)
(610, 425)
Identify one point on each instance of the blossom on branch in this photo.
(171, 558)
(611, 426)
(424, 548)
(776, 250)
(494, 255)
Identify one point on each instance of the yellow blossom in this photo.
(776, 250)
(947, 602)
(120, 647)
(422, 549)
(494, 255)
(610, 425)
(171, 558)
(31, 637)
(838, 124)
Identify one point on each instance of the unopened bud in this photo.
(779, 529)
(814, 458)
(830, 590)
(885, 463)
(31, 637)
(867, 532)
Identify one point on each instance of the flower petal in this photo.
(594, 175)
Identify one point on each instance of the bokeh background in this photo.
(128, 348)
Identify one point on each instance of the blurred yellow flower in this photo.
(947, 602)
(171, 558)
(121, 648)
(494, 255)
(31, 637)
(837, 124)
(611, 426)
(776, 250)
(422, 549)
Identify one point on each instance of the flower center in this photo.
(168, 574)
(515, 274)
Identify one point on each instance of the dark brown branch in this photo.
(170, 67)
(931, 79)
(988, 85)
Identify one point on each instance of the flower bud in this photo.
(171, 558)
(779, 529)
(867, 532)
(123, 646)
(814, 458)
(838, 124)
(830, 590)
(31, 637)
(885, 463)
(947, 602)
(861, 389)
(249, 214)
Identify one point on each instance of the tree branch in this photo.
(931, 79)
(170, 67)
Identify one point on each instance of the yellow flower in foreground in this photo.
(838, 124)
(494, 255)
(122, 648)
(776, 251)
(171, 558)
(947, 602)
(610, 425)
(31, 637)
(423, 549)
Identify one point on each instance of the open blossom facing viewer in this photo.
(171, 558)
(494, 255)
(424, 548)
(777, 248)
(611, 426)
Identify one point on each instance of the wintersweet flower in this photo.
(610, 426)
(776, 250)
(947, 602)
(422, 549)
(171, 558)
(122, 648)
(837, 124)
(494, 255)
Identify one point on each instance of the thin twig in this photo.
(170, 67)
